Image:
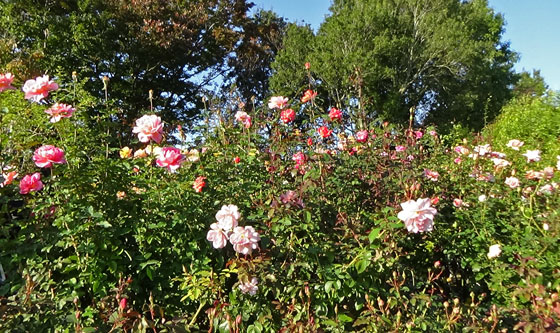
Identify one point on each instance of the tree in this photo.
(532, 85)
(175, 48)
(444, 59)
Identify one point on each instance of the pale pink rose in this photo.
(140, 153)
(149, 127)
(546, 189)
(433, 133)
(45, 156)
(362, 136)
(457, 160)
(494, 251)
(500, 163)
(417, 215)
(244, 239)
(431, 175)
(170, 158)
(548, 172)
(8, 178)
(249, 287)
(532, 174)
(59, 111)
(400, 148)
(482, 150)
(410, 157)
(36, 90)
(6, 81)
(217, 235)
(228, 216)
(497, 154)
(461, 150)
(458, 203)
(533, 155)
(512, 182)
(277, 102)
(30, 183)
(515, 144)
(243, 118)
(193, 155)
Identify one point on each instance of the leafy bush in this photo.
(117, 238)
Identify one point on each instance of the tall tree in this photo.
(442, 58)
(173, 47)
(530, 84)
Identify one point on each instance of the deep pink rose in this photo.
(324, 132)
(170, 158)
(45, 156)
(6, 81)
(362, 136)
(59, 111)
(36, 90)
(417, 215)
(287, 116)
(335, 114)
(400, 148)
(149, 127)
(30, 183)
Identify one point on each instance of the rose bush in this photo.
(345, 227)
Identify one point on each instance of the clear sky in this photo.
(532, 28)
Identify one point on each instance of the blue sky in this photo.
(532, 28)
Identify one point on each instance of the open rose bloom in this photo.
(277, 102)
(6, 81)
(149, 127)
(36, 90)
(199, 184)
(324, 132)
(59, 111)
(417, 215)
(362, 136)
(243, 118)
(335, 114)
(170, 158)
(287, 116)
(228, 216)
(515, 144)
(244, 239)
(308, 96)
(249, 287)
(30, 183)
(218, 236)
(45, 156)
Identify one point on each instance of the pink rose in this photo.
(228, 216)
(287, 116)
(362, 136)
(199, 183)
(149, 127)
(170, 158)
(515, 144)
(30, 183)
(457, 202)
(6, 81)
(244, 239)
(36, 90)
(217, 235)
(249, 287)
(431, 175)
(308, 95)
(59, 111)
(277, 102)
(45, 156)
(335, 114)
(461, 150)
(433, 133)
(418, 134)
(243, 118)
(512, 182)
(417, 215)
(400, 148)
(299, 158)
(324, 132)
